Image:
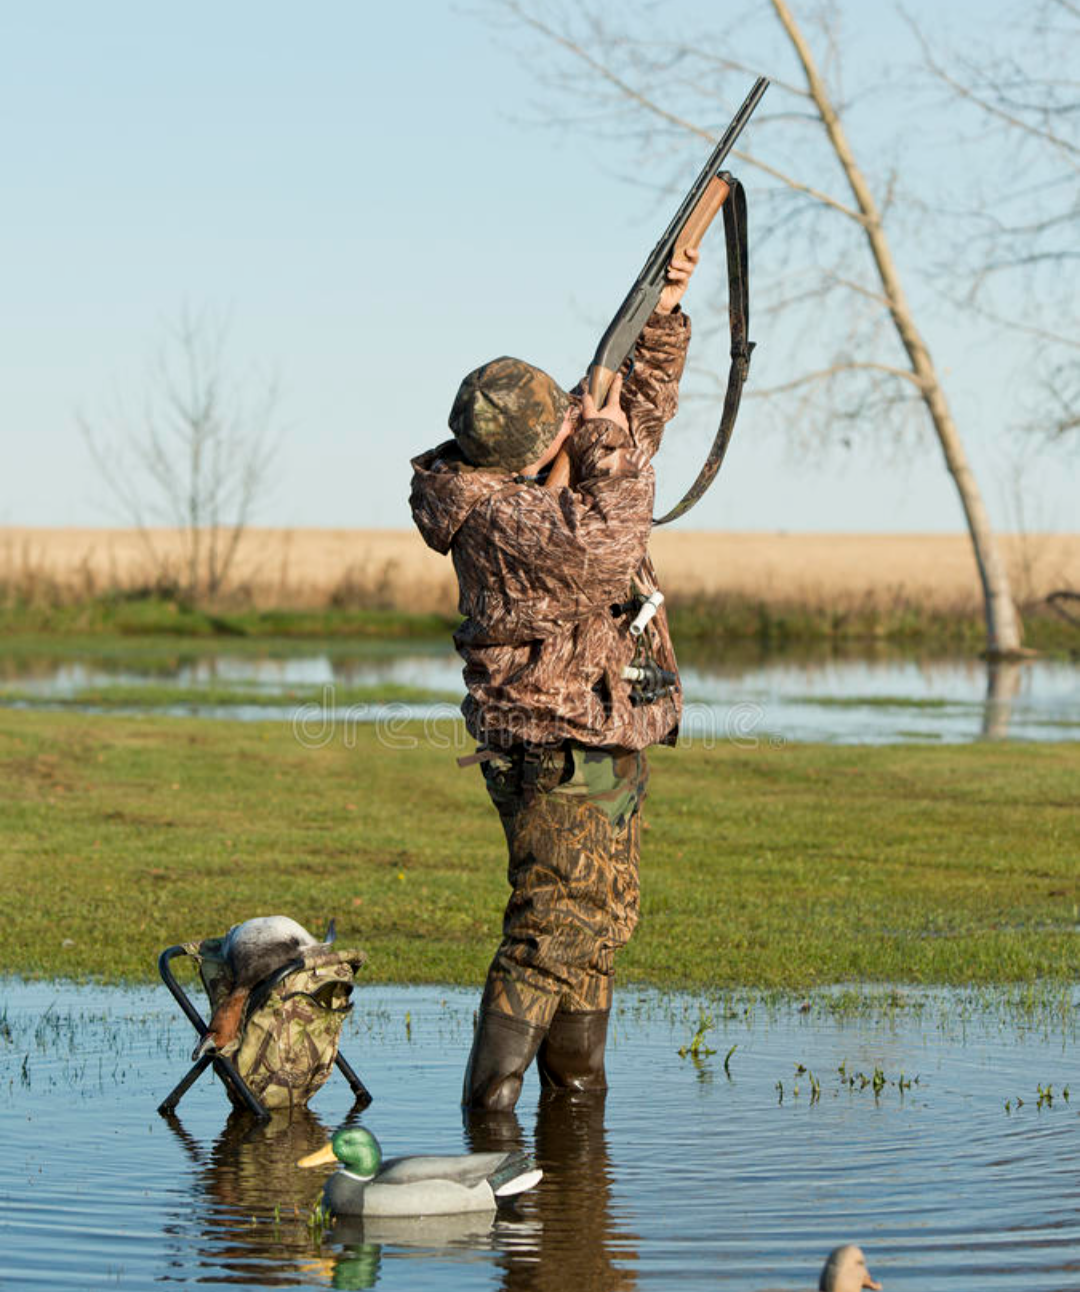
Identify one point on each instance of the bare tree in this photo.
(196, 459)
(1018, 263)
(866, 368)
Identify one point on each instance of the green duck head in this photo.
(358, 1150)
(354, 1147)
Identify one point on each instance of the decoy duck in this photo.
(416, 1186)
(845, 1271)
(253, 950)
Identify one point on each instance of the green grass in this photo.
(731, 620)
(765, 868)
(142, 616)
(909, 624)
(160, 696)
(26, 647)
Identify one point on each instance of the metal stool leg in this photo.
(222, 1066)
(177, 1093)
(362, 1093)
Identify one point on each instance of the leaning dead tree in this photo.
(863, 363)
(196, 459)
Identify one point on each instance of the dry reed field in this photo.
(393, 569)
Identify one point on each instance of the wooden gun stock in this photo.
(599, 378)
(703, 214)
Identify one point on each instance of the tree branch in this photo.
(835, 370)
(1010, 119)
(655, 109)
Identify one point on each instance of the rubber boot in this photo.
(502, 1049)
(572, 1054)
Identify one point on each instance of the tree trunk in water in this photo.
(1002, 622)
(1003, 632)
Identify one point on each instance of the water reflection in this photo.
(874, 696)
(582, 1241)
(246, 1205)
(571, 1235)
(564, 1233)
(1003, 682)
(873, 701)
(967, 1178)
(246, 1209)
(414, 1238)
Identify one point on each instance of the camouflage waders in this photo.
(573, 830)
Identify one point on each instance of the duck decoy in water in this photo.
(845, 1271)
(416, 1186)
(253, 950)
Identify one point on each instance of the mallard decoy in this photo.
(253, 950)
(845, 1271)
(416, 1186)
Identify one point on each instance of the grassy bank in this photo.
(125, 615)
(718, 619)
(767, 867)
(778, 625)
(142, 697)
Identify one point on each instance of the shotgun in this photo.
(696, 212)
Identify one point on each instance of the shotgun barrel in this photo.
(688, 225)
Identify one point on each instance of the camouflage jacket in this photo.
(539, 571)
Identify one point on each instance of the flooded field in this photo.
(779, 697)
(937, 1131)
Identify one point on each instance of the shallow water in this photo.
(772, 698)
(686, 1176)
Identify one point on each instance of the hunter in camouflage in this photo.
(549, 582)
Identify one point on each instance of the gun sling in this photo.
(739, 315)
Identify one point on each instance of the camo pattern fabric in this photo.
(539, 571)
(507, 413)
(290, 1042)
(573, 829)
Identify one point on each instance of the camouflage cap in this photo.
(507, 413)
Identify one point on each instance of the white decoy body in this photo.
(252, 950)
(417, 1186)
(845, 1271)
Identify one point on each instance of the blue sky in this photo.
(369, 193)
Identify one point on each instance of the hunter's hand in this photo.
(612, 409)
(678, 276)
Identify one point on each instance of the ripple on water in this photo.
(686, 1177)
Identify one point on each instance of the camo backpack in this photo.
(292, 1026)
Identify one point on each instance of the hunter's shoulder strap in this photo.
(739, 315)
